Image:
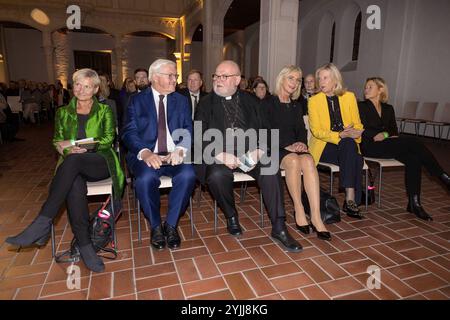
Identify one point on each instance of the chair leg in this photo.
(115, 246)
(243, 191)
(191, 216)
(53, 241)
(215, 216)
(367, 189)
(331, 182)
(379, 187)
(261, 208)
(139, 221)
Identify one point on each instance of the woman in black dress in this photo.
(285, 112)
(380, 140)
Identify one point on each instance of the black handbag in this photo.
(370, 190)
(101, 224)
(329, 207)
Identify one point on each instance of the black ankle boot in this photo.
(415, 207)
(445, 178)
(37, 233)
(91, 259)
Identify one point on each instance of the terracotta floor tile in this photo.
(101, 286)
(292, 281)
(260, 284)
(204, 286)
(60, 287)
(341, 287)
(348, 256)
(236, 266)
(149, 295)
(426, 282)
(435, 295)
(330, 267)
(382, 292)
(358, 267)
(314, 293)
(313, 270)
(391, 254)
(187, 270)
(239, 286)
(123, 283)
(281, 270)
(435, 269)
(295, 294)
(156, 282)
(28, 293)
(362, 295)
(154, 270)
(407, 270)
(218, 295)
(206, 266)
(172, 293)
(260, 257)
(230, 256)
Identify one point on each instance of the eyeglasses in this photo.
(170, 75)
(291, 79)
(224, 77)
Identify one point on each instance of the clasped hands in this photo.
(297, 147)
(155, 161)
(350, 132)
(61, 145)
(232, 162)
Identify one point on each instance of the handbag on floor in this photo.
(101, 225)
(329, 207)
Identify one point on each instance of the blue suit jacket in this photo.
(141, 129)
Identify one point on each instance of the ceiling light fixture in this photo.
(40, 17)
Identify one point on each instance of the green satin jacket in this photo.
(101, 126)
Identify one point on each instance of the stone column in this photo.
(277, 37)
(48, 47)
(212, 39)
(118, 52)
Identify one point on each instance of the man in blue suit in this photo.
(158, 134)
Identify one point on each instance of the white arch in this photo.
(324, 39)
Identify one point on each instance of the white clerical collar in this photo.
(229, 98)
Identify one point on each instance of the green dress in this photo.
(101, 126)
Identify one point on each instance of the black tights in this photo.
(69, 183)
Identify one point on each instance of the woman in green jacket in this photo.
(84, 117)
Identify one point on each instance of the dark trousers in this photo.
(219, 179)
(412, 153)
(350, 162)
(147, 189)
(69, 183)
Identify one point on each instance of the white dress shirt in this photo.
(170, 144)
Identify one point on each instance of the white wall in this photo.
(411, 51)
(25, 54)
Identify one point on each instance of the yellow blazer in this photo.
(319, 121)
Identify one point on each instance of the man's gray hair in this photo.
(156, 66)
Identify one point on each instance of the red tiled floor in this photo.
(413, 256)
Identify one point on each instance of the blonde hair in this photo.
(103, 89)
(336, 76)
(282, 76)
(87, 73)
(381, 84)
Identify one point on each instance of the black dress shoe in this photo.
(445, 178)
(37, 233)
(285, 240)
(157, 238)
(323, 235)
(414, 206)
(351, 209)
(233, 226)
(303, 229)
(173, 238)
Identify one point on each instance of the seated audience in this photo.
(336, 133)
(83, 117)
(380, 140)
(260, 89)
(285, 113)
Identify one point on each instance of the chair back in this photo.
(410, 109)
(308, 131)
(427, 110)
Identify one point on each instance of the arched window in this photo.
(356, 37)
(333, 32)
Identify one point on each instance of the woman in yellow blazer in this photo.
(84, 117)
(336, 133)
